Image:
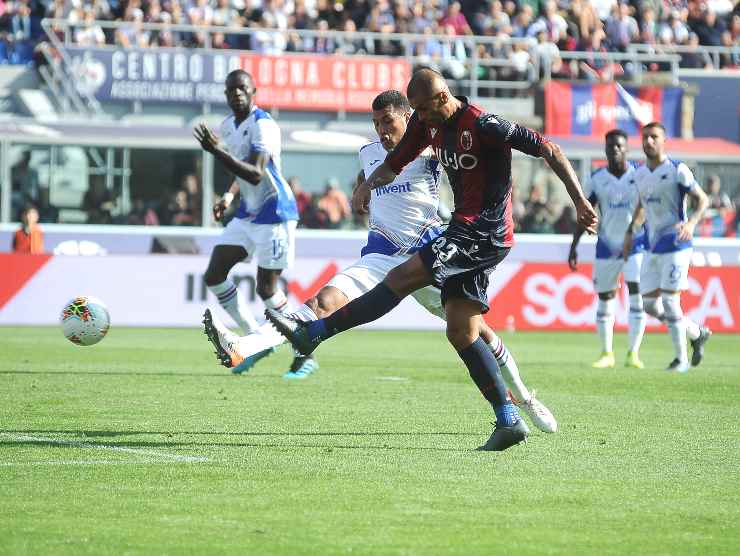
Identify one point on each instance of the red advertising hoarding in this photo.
(324, 83)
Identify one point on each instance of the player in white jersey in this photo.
(613, 188)
(265, 222)
(403, 217)
(663, 185)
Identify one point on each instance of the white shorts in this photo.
(666, 271)
(372, 269)
(274, 244)
(607, 271)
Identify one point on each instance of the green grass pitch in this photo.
(143, 445)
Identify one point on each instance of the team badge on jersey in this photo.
(433, 131)
(466, 140)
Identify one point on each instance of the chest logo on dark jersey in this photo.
(466, 140)
(433, 131)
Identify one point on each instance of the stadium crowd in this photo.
(551, 26)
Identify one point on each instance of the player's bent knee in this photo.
(327, 301)
(672, 305)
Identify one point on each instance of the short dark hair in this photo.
(654, 124)
(392, 98)
(615, 133)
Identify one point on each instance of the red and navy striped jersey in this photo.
(475, 150)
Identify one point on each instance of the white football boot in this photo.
(541, 417)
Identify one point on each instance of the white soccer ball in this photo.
(85, 321)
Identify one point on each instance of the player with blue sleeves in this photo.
(265, 222)
(614, 190)
(663, 185)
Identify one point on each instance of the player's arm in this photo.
(360, 201)
(686, 179)
(250, 170)
(577, 233)
(497, 131)
(638, 219)
(559, 163)
(219, 208)
(413, 142)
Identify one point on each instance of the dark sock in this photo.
(485, 372)
(366, 308)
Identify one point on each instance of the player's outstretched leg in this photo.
(697, 345)
(295, 331)
(370, 306)
(302, 365)
(226, 344)
(525, 400)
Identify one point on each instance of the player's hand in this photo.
(685, 231)
(586, 216)
(207, 139)
(219, 209)
(573, 258)
(361, 198)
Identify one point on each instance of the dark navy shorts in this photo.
(460, 261)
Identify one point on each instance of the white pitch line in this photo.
(79, 462)
(88, 445)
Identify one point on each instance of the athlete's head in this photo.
(240, 91)
(615, 146)
(430, 96)
(653, 140)
(391, 113)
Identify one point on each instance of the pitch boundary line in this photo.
(92, 446)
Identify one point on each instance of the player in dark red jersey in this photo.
(475, 150)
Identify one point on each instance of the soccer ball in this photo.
(85, 321)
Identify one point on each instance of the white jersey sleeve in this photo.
(685, 178)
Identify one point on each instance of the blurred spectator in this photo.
(24, 180)
(98, 202)
(719, 201)
(48, 213)
(141, 214)
(597, 67)
(455, 19)
(191, 186)
(335, 204)
(694, 58)
(551, 22)
(566, 222)
(709, 29)
(537, 217)
(89, 34)
(302, 198)
(179, 209)
(29, 238)
(673, 30)
(621, 27)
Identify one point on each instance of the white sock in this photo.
(636, 322)
(509, 369)
(692, 329)
(264, 337)
(676, 324)
(605, 323)
(278, 301)
(232, 300)
(654, 307)
(304, 313)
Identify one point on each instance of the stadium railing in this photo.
(711, 53)
(58, 73)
